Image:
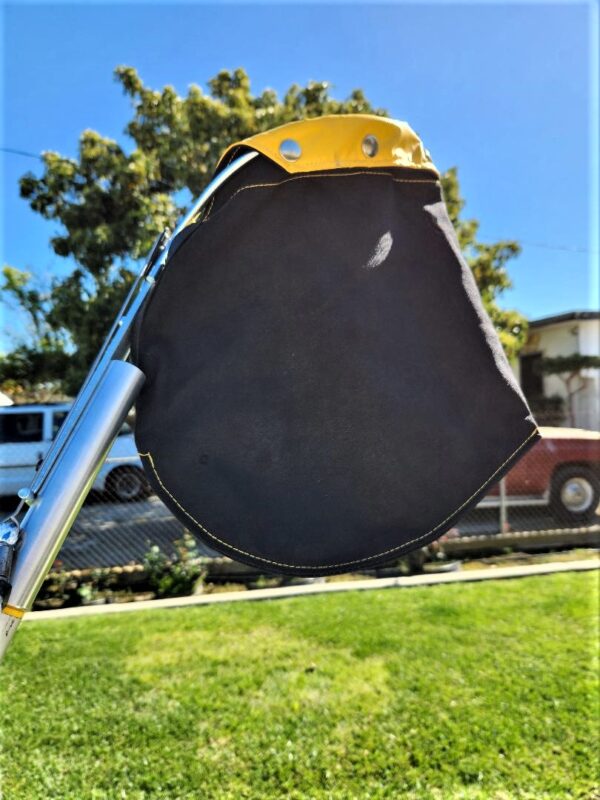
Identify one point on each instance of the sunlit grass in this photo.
(463, 691)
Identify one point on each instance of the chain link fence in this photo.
(554, 488)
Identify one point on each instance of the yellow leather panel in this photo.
(336, 142)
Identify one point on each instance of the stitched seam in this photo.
(345, 175)
(327, 163)
(212, 199)
(352, 163)
(209, 209)
(343, 563)
(320, 175)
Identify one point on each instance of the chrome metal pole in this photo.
(104, 356)
(116, 344)
(77, 453)
(49, 519)
(503, 514)
(212, 187)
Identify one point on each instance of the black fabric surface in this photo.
(324, 390)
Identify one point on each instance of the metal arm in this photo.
(29, 542)
(116, 344)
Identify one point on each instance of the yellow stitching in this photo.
(344, 563)
(344, 175)
(212, 199)
(209, 209)
(378, 162)
(320, 175)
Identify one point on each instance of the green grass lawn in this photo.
(464, 691)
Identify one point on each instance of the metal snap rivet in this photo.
(290, 150)
(370, 146)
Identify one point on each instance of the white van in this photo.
(26, 432)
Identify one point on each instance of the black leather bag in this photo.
(324, 391)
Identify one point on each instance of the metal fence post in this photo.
(503, 514)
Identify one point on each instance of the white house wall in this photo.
(565, 339)
(587, 403)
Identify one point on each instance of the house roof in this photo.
(568, 316)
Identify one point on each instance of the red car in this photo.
(562, 471)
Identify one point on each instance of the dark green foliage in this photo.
(110, 203)
(568, 365)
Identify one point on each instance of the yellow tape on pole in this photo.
(12, 611)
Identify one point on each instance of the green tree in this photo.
(29, 371)
(488, 263)
(111, 202)
(569, 369)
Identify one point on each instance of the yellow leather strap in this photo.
(341, 141)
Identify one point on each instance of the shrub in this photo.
(548, 410)
(174, 577)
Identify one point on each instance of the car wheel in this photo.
(126, 484)
(575, 494)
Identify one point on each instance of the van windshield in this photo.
(21, 428)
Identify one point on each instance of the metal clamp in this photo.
(10, 531)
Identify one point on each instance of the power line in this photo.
(562, 247)
(545, 246)
(566, 247)
(15, 152)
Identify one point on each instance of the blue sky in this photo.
(502, 91)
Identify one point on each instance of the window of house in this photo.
(532, 380)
